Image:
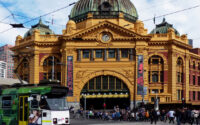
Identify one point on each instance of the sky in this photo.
(20, 11)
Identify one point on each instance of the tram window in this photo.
(34, 102)
(43, 104)
(6, 102)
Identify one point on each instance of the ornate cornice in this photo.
(132, 35)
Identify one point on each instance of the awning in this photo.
(125, 95)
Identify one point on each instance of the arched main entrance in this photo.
(105, 90)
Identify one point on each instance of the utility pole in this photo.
(53, 68)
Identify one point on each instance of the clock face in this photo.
(105, 37)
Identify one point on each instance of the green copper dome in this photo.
(44, 29)
(163, 28)
(103, 9)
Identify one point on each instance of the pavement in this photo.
(111, 122)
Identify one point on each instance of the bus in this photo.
(42, 104)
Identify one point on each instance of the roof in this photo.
(44, 29)
(163, 27)
(6, 81)
(103, 9)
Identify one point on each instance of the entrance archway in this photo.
(105, 90)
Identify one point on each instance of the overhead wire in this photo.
(49, 13)
(5, 18)
(167, 14)
(35, 17)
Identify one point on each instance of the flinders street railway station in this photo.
(106, 56)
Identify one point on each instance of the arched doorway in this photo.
(105, 90)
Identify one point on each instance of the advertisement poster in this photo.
(70, 75)
(140, 78)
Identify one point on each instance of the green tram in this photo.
(42, 104)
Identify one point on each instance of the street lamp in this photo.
(84, 96)
(183, 102)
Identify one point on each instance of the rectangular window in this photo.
(194, 97)
(105, 82)
(194, 80)
(161, 76)
(155, 76)
(118, 83)
(98, 83)
(199, 80)
(111, 83)
(149, 77)
(154, 91)
(99, 53)
(86, 54)
(182, 77)
(6, 102)
(178, 77)
(155, 61)
(91, 84)
(124, 53)
(152, 99)
(111, 53)
(199, 96)
(178, 95)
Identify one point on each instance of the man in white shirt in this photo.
(171, 116)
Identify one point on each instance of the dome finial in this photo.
(164, 20)
(40, 21)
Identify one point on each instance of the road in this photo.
(101, 122)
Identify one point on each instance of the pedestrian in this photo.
(171, 116)
(178, 116)
(153, 116)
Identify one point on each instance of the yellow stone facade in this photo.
(123, 35)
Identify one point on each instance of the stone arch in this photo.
(46, 56)
(158, 54)
(92, 75)
(180, 57)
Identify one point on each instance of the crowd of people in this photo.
(172, 116)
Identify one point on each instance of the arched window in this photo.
(24, 70)
(105, 84)
(194, 65)
(198, 66)
(156, 69)
(51, 68)
(179, 69)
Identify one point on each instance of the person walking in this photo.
(171, 116)
(153, 116)
(178, 116)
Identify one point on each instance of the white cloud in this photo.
(185, 22)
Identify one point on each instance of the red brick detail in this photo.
(191, 77)
(41, 56)
(196, 97)
(196, 78)
(190, 96)
(41, 76)
(165, 77)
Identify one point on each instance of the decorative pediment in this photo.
(106, 31)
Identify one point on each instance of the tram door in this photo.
(23, 110)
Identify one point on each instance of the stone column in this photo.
(79, 55)
(105, 54)
(172, 75)
(131, 54)
(118, 55)
(92, 55)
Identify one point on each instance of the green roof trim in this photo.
(44, 29)
(163, 27)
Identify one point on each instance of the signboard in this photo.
(70, 75)
(140, 77)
